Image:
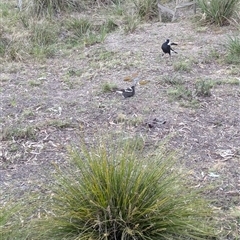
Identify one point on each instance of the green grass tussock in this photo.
(217, 11)
(18, 133)
(112, 193)
(12, 220)
(79, 26)
(108, 87)
(146, 9)
(131, 23)
(84, 30)
(50, 7)
(203, 88)
(233, 50)
(184, 66)
(43, 33)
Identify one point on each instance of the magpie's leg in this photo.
(170, 56)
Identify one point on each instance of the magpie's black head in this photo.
(167, 40)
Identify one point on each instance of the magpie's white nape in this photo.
(166, 47)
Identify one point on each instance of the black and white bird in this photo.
(130, 91)
(166, 47)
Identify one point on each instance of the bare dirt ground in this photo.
(45, 105)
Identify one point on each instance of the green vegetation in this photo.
(18, 133)
(231, 81)
(110, 192)
(128, 121)
(35, 83)
(74, 72)
(42, 33)
(180, 92)
(3, 45)
(186, 95)
(182, 65)
(131, 23)
(79, 27)
(39, 31)
(233, 50)
(146, 9)
(218, 11)
(8, 212)
(108, 87)
(60, 124)
(172, 80)
(235, 20)
(203, 88)
(50, 7)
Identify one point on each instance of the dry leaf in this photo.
(128, 79)
(143, 82)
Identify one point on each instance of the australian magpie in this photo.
(128, 92)
(166, 47)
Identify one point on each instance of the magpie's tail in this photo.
(174, 43)
(174, 51)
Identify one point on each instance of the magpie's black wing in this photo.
(166, 48)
